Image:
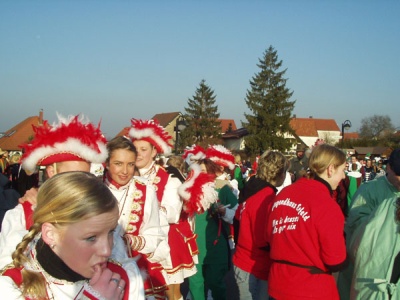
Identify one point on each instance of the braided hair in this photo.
(64, 199)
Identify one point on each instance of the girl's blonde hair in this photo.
(64, 199)
(238, 159)
(324, 155)
(271, 166)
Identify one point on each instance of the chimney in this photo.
(41, 116)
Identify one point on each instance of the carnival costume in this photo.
(72, 139)
(169, 253)
(139, 226)
(62, 282)
(213, 233)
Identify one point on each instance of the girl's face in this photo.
(88, 243)
(336, 176)
(146, 154)
(121, 166)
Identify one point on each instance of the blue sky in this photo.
(117, 60)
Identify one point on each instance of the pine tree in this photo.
(268, 100)
(201, 117)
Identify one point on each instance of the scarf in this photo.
(53, 265)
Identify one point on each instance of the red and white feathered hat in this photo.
(152, 132)
(72, 139)
(194, 153)
(221, 156)
(198, 191)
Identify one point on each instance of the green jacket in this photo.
(374, 248)
(211, 231)
(366, 200)
(237, 174)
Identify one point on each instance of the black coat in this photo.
(8, 197)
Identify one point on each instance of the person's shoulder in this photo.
(161, 169)
(226, 191)
(139, 180)
(371, 188)
(221, 183)
(316, 188)
(175, 175)
(16, 211)
(267, 193)
(3, 180)
(377, 182)
(226, 186)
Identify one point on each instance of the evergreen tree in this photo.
(268, 100)
(201, 117)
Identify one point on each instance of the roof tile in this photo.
(19, 134)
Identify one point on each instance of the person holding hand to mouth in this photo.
(72, 144)
(65, 254)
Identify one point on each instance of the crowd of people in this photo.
(318, 226)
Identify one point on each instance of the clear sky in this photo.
(117, 60)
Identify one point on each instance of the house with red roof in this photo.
(310, 130)
(20, 133)
(227, 125)
(351, 136)
(168, 121)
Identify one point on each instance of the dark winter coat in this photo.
(8, 197)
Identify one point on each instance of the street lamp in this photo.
(180, 125)
(345, 125)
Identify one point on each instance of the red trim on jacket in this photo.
(28, 211)
(121, 271)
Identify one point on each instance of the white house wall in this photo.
(333, 135)
(235, 144)
(322, 134)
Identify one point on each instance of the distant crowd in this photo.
(86, 218)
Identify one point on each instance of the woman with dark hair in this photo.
(138, 209)
(305, 231)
